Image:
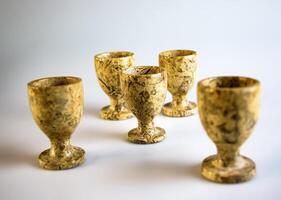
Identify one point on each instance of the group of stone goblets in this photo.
(228, 108)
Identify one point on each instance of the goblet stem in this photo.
(146, 128)
(179, 101)
(227, 157)
(116, 105)
(116, 110)
(61, 148)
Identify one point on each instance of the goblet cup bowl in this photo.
(144, 90)
(109, 67)
(56, 104)
(181, 66)
(228, 109)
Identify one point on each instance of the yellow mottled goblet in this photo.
(181, 66)
(57, 105)
(109, 67)
(228, 108)
(144, 90)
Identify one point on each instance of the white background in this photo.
(40, 38)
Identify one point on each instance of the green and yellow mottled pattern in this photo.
(57, 105)
(109, 66)
(181, 66)
(144, 93)
(228, 109)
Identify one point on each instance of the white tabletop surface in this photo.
(48, 38)
(116, 169)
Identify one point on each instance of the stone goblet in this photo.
(228, 108)
(109, 66)
(181, 66)
(145, 90)
(56, 104)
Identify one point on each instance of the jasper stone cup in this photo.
(181, 67)
(109, 67)
(144, 90)
(228, 108)
(56, 104)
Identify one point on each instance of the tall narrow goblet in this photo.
(228, 109)
(109, 66)
(181, 66)
(144, 93)
(57, 105)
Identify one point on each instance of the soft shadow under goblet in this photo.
(109, 66)
(181, 66)
(57, 105)
(144, 94)
(228, 109)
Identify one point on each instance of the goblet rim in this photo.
(134, 74)
(189, 52)
(76, 79)
(112, 55)
(204, 83)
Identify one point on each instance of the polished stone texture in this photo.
(228, 109)
(109, 66)
(56, 104)
(144, 94)
(181, 66)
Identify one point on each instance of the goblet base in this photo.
(244, 170)
(135, 136)
(53, 163)
(172, 111)
(109, 114)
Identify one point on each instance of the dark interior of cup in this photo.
(232, 82)
(144, 70)
(54, 82)
(177, 53)
(120, 54)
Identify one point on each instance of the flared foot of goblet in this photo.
(135, 136)
(109, 114)
(172, 111)
(76, 158)
(243, 170)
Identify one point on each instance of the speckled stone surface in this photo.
(228, 109)
(56, 104)
(181, 66)
(109, 66)
(144, 93)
